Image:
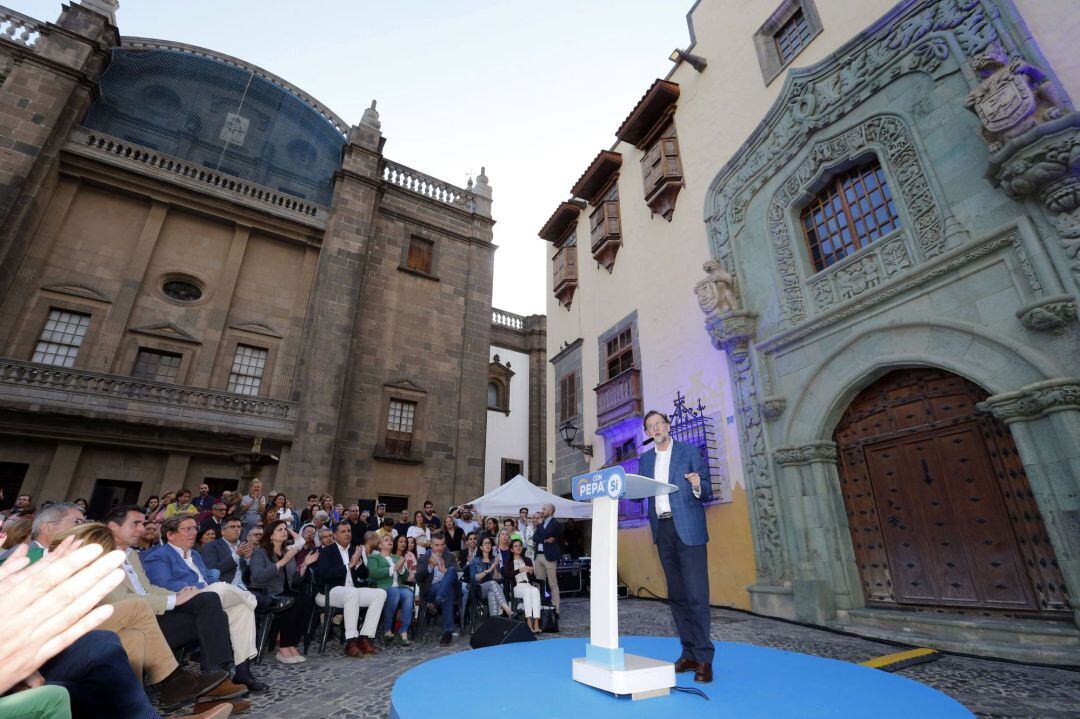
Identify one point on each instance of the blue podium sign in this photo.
(610, 482)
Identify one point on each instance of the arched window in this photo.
(854, 209)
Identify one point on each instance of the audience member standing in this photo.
(421, 533)
(548, 537)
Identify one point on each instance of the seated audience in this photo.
(390, 573)
(205, 536)
(387, 528)
(454, 535)
(151, 536)
(307, 544)
(175, 566)
(511, 528)
(145, 644)
(228, 557)
(51, 638)
(438, 572)
(17, 531)
(151, 505)
(274, 574)
(491, 529)
(158, 514)
(345, 574)
(186, 617)
(326, 537)
(182, 504)
(520, 571)
(420, 532)
(47, 525)
(321, 519)
(217, 515)
(502, 546)
(484, 570)
(403, 524)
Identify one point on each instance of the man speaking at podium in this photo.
(678, 528)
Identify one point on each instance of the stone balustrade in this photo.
(62, 390)
(502, 318)
(114, 151)
(19, 28)
(428, 186)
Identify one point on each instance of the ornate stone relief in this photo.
(889, 137)
(773, 407)
(1048, 313)
(821, 451)
(910, 40)
(1035, 400)
(1012, 98)
(733, 333)
(716, 293)
(1034, 139)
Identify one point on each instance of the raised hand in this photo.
(47, 606)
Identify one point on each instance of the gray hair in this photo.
(321, 514)
(52, 513)
(172, 524)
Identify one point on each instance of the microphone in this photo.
(647, 441)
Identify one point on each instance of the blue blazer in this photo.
(686, 509)
(551, 550)
(164, 568)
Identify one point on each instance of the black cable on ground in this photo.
(692, 690)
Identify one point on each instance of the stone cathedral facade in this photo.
(891, 205)
(195, 254)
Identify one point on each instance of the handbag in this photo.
(549, 620)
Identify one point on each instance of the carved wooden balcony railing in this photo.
(564, 267)
(618, 398)
(606, 232)
(45, 388)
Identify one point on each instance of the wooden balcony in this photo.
(564, 267)
(618, 398)
(606, 233)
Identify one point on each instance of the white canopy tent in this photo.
(505, 501)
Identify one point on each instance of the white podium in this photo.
(605, 665)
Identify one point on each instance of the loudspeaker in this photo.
(500, 630)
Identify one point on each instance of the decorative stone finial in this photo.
(371, 117)
(107, 8)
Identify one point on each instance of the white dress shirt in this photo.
(186, 556)
(662, 474)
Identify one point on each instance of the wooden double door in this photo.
(938, 504)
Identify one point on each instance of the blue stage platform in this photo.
(532, 681)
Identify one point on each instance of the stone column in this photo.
(61, 475)
(47, 92)
(175, 475)
(323, 362)
(536, 343)
(1044, 419)
(826, 577)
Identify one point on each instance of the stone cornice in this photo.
(820, 451)
(1034, 401)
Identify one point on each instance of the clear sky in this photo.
(531, 90)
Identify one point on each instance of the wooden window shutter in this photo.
(669, 147)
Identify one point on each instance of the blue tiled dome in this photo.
(221, 115)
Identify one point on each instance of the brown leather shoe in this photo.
(685, 665)
(224, 691)
(203, 710)
(183, 686)
(703, 675)
(366, 646)
(353, 648)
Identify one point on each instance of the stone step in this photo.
(1024, 640)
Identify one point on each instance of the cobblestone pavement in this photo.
(337, 687)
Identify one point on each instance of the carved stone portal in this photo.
(1048, 314)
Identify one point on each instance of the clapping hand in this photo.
(47, 606)
(311, 558)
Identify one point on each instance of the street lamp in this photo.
(695, 61)
(569, 434)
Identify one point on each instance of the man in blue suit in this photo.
(678, 528)
(176, 565)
